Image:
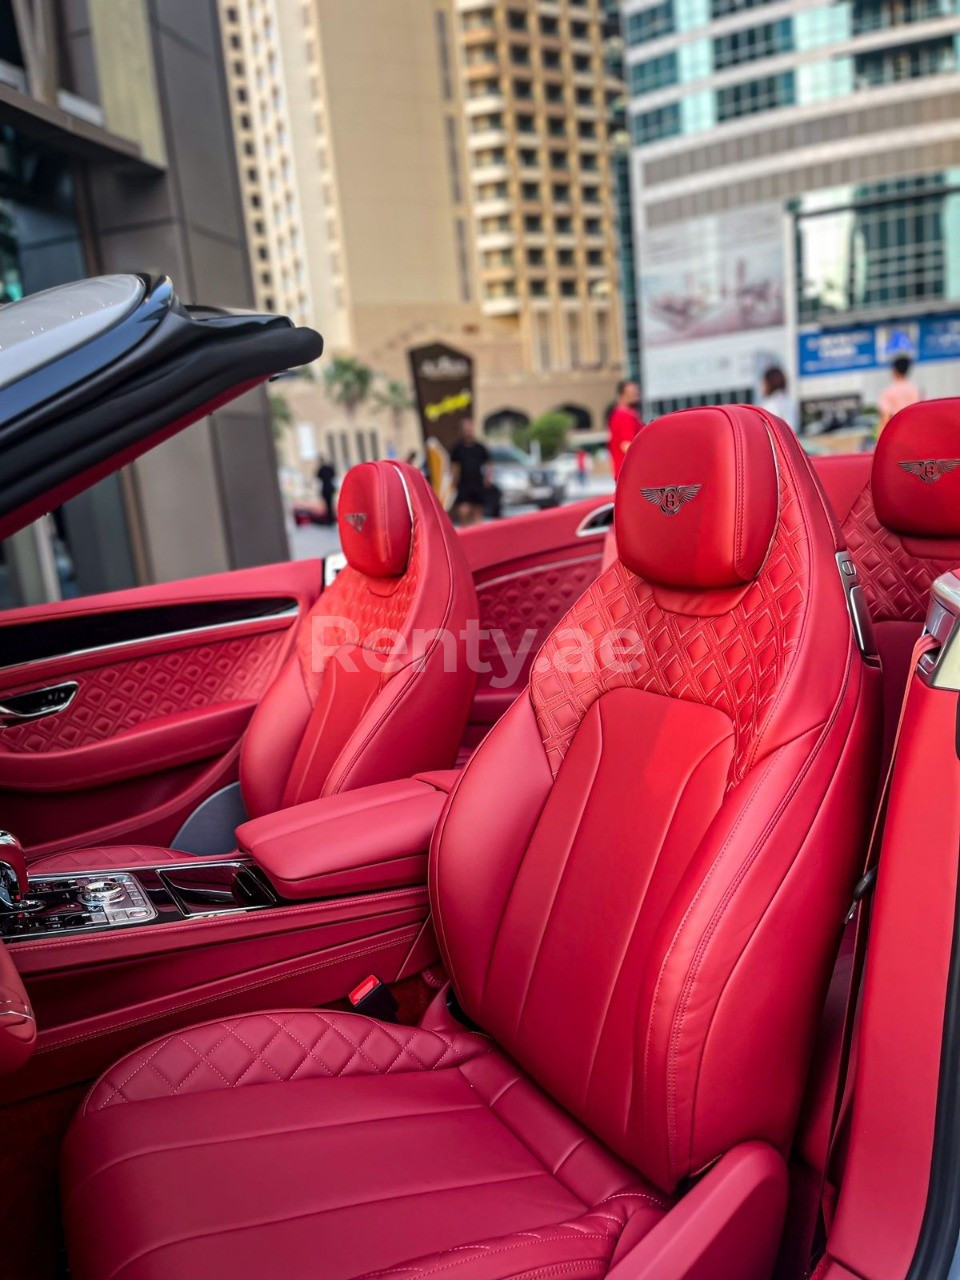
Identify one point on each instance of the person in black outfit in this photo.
(326, 479)
(470, 460)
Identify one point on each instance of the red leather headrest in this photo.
(375, 520)
(697, 499)
(916, 471)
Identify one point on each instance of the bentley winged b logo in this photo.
(671, 497)
(356, 520)
(929, 470)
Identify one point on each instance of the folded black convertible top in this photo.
(92, 374)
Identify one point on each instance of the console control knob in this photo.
(96, 892)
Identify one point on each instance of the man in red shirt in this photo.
(624, 422)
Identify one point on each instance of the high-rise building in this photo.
(796, 171)
(444, 169)
(116, 155)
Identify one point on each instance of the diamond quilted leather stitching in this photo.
(266, 1048)
(895, 583)
(112, 699)
(533, 600)
(361, 599)
(681, 656)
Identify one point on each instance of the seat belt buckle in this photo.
(863, 887)
(374, 999)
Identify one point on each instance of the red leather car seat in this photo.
(637, 884)
(902, 528)
(378, 687)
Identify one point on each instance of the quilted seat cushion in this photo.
(304, 1144)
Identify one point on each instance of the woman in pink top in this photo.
(899, 393)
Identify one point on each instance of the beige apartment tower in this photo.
(433, 170)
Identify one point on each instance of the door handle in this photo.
(36, 704)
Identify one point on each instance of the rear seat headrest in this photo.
(375, 520)
(697, 500)
(916, 471)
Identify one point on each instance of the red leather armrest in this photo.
(361, 841)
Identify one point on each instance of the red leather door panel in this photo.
(528, 571)
(155, 724)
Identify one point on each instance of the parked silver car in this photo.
(521, 481)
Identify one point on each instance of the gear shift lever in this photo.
(14, 883)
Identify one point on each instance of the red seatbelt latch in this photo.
(374, 999)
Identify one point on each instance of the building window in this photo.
(549, 26)
(720, 8)
(530, 191)
(603, 338)
(895, 248)
(526, 124)
(660, 122)
(751, 43)
(655, 73)
(535, 257)
(533, 223)
(565, 258)
(516, 19)
(908, 62)
(543, 344)
(568, 288)
(453, 160)
(443, 53)
(751, 96)
(650, 24)
(573, 339)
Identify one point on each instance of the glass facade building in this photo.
(839, 121)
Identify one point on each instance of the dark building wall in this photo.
(207, 500)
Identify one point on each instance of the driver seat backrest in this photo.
(640, 881)
(372, 692)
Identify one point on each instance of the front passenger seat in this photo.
(392, 700)
(638, 884)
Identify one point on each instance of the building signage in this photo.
(872, 346)
(443, 381)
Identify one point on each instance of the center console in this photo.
(316, 899)
(83, 902)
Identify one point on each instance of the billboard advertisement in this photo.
(712, 301)
(443, 383)
(712, 276)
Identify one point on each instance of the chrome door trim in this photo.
(288, 615)
(589, 526)
(61, 695)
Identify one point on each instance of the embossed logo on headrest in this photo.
(671, 497)
(356, 520)
(929, 470)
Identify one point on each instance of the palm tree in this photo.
(394, 396)
(348, 381)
